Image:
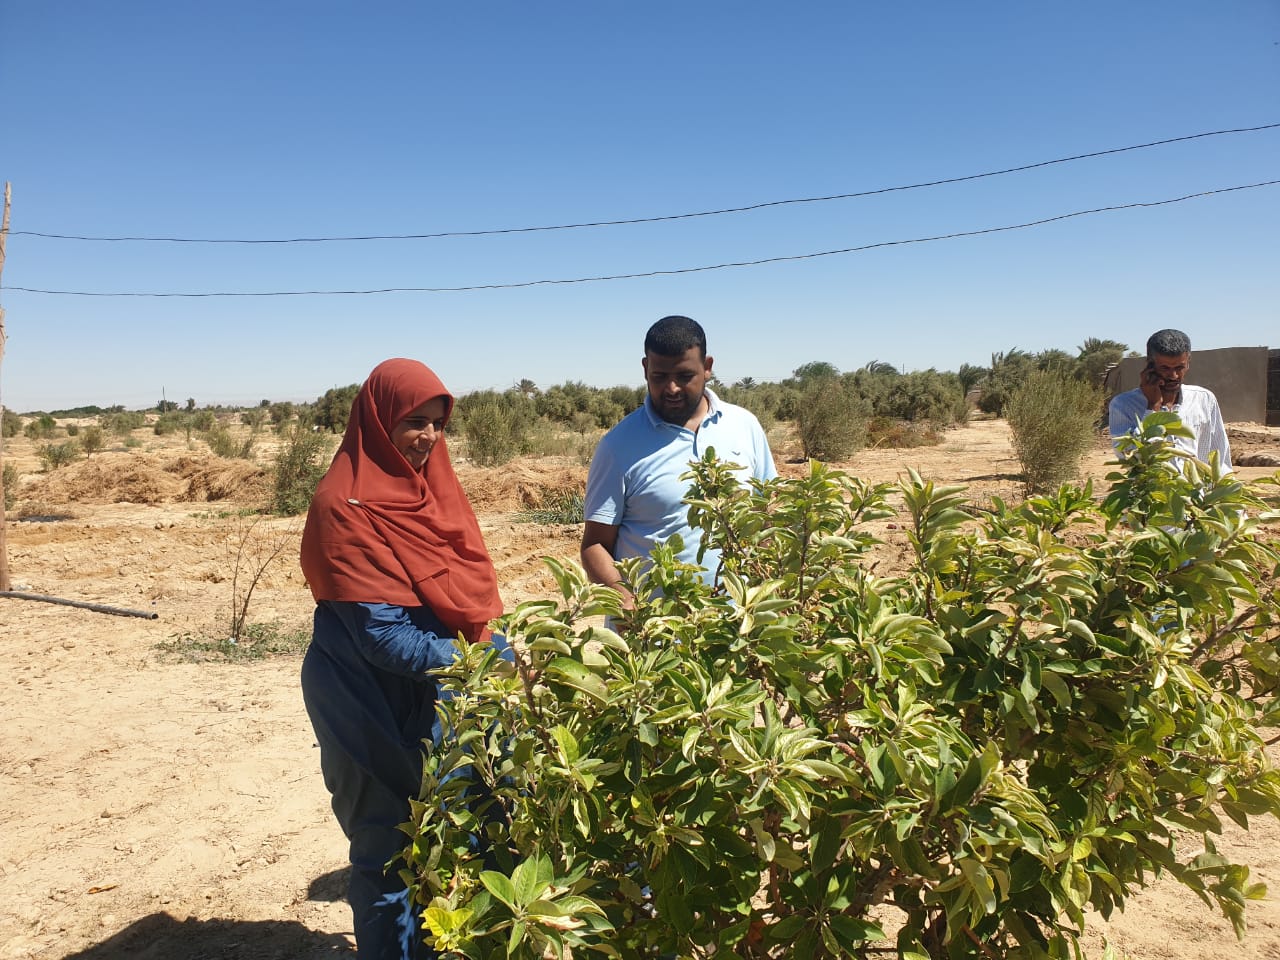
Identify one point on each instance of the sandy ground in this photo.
(158, 808)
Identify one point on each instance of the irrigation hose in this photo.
(96, 607)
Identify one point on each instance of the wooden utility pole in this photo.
(4, 543)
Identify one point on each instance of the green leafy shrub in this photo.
(10, 423)
(92, 440)
(831, 420)
(204, 420)
(55, 455)
(254, 418)
(223, 444)
(1054, 420)
(495, 426)
(1007, 372)
(922, 395)
(332, 410)
(41, 427)
(548, 439)
(123, 422)
(172, 421)
(299, 466)
(987, 749)
(73, 429)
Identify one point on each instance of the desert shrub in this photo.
(73, 429)
(10, 423)
(582, 422)
(813, 371)
(299, 465)
(888, 432)
(41, 427)
(495, 426)
(92, 440)
(560, 402)
(922, 395)
(172, 421)
(132, 443)
(331, 411)
(282, 411)
(1053, 418)
(1006, 373)
(123, 422)
(204, 420)
(831, 420)
(223, 444)
(254, 418)
(606, 412)
(9, 480)
(987, 750)
(547, 439)
(55, 455)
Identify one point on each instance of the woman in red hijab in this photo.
(394, 557)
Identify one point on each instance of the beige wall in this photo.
(1236, 375)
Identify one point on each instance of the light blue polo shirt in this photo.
(634, 481)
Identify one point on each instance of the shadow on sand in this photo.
(330, 887)
(162, 937)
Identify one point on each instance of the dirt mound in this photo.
(1257, 460)
(215, 478)
(522, 484)
(146, 479)
(106, 478)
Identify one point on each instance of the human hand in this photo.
(1152, 385)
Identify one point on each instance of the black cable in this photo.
(674, 216)
(661, 273)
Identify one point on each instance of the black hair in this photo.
(673, 336)
(1168, 343)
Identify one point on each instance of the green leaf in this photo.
(500, 885)
(517, 936)
(531, 878)
(576, 675)
(567, 743)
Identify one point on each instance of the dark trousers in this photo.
(370, 726)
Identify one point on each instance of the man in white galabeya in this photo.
(1162, 387)
(634, 491)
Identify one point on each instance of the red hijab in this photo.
(379, 531)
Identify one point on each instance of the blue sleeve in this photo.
(1122, 417)
(389, 638)
(765, 468)
(605, 499)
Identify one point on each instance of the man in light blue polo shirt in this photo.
(634, 494)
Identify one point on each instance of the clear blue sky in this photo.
(300, 119)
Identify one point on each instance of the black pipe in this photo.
(96, 607)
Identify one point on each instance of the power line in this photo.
(667, 217)
(663, 273)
